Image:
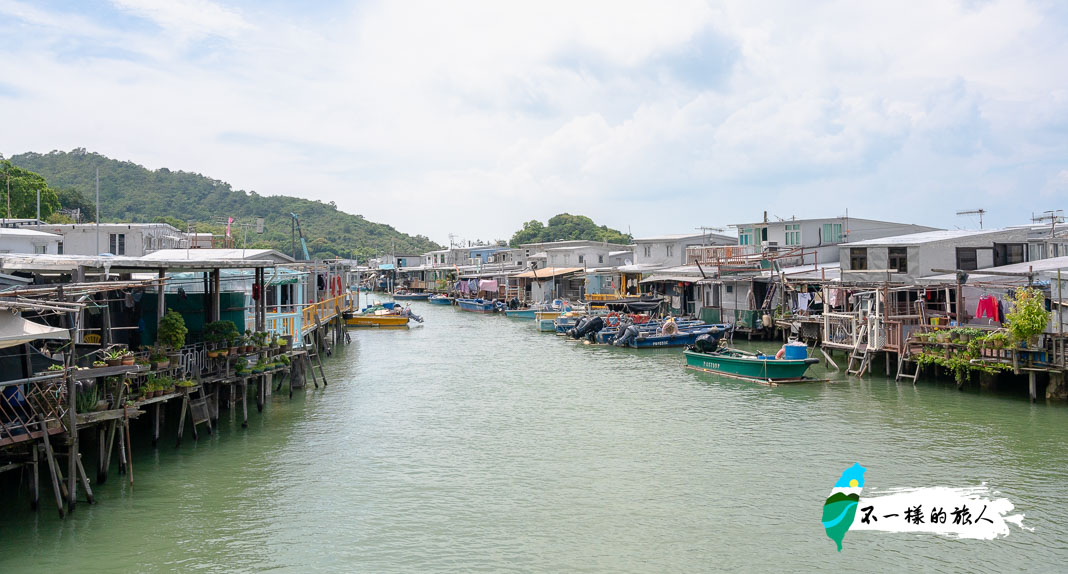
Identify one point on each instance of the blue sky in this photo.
(472, 117)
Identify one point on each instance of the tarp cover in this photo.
(487, 285)
(14, 330)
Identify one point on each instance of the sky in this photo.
(470, 118)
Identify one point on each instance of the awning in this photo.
(386, 266)
(654, 278)
(14, 330)
(547, 273)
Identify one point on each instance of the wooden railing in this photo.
(24, 405)
(325, 310)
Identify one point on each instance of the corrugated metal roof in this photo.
(547, 273)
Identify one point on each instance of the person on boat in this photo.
(669, 327)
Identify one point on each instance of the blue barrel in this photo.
(796, 351)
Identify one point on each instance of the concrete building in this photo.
(663, 251)
(15, 240)
(129, 239)
(818, 238)
(586, 256)
(905, 258)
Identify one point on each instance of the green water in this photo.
(475, 443)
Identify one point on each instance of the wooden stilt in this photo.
(85, 480)
(830, 361)
(35, 479)
(181, 420)
(260, 381)
(129, 446)
(52, 470)
(102, 448)
(1031, 385)
(244, 403)
(155, 424)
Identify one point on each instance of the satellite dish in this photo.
(627, 262)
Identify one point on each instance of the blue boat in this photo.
(608, 334)
(480, 305)
(441, 300)
(520, 313)
(681, 339)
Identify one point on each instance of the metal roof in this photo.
(198, 254)
(111, 263)
(547, 273)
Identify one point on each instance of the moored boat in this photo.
(479, 305)
(754, 367)
(372, 320)
(410, 296)
(441, 299)
(520, 313)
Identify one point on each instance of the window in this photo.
(59, 248)
(966, 259)
(117, 243)
(648, 250)
(832, 233)
(1008, 253)
(730, 288)
(858, 258)
(898, 259)
(793, 234)
(745, 236)
(40, 249)
(582, 258)
(670, 250)
(567, 258)
(600, 258)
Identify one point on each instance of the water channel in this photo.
(475, 443)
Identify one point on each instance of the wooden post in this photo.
(52, 468)
(244, 402)
(72, 414)
(105, 324)
(1031, 385)
(181, 420)
(155, 424)
(35, 478)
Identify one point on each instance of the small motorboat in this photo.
(441, 299)
(410, 296)
(706, 355)
(480, 305)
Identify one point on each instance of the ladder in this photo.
(905, 357)
(860, 357)
(311, 340)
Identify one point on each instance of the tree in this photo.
(564, 227)
(20, 188)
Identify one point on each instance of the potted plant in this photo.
(128, 358)
(1027, 316)
(172, 331)
(158, 359)
(185, 385)
(282, 342)
(98, 364)
(113, 358)
(996, 340)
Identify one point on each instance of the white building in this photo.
(29, 241)
(665, 251)
(130, 239)
(586, 256)
(904, 258)
(818, 238)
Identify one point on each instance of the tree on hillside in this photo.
(564, 227)
(19, 188)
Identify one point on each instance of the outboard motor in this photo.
(626, 336)
(513, 303)
(590, 327)
(580, 323)
(709, 342)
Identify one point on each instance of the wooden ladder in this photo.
(904, 358)
(860, 356)
(312, 352)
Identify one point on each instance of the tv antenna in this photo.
(705, 229)
(1053, 217)
(978, 212)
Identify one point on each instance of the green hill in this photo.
(132, 193)
(564, 227)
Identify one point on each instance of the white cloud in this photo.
(474, 117)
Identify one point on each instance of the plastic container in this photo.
(796, 351)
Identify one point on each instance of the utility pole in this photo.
(38, 207)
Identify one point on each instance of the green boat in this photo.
(741, 365)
